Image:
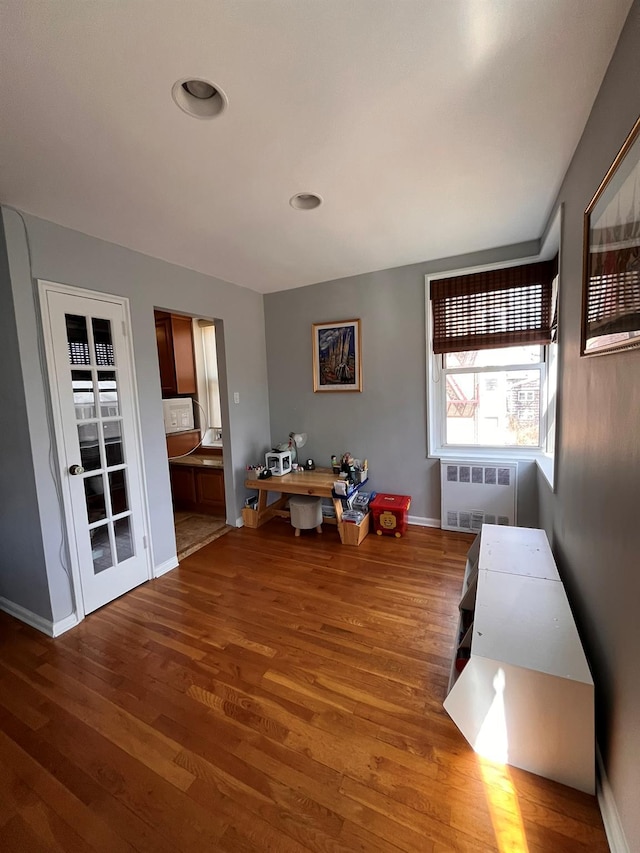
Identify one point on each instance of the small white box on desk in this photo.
(279, 462)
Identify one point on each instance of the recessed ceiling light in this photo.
(305, 201)
(199, 89)
(199, 98)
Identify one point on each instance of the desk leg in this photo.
(262, 508)
(337, 505)
(267, 512)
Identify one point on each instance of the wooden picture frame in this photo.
(337, 356)
(611, 262)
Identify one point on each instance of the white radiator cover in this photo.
(477, 493)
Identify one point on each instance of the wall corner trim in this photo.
(65, 624)
(608, 810)
(45, 626)
(165, 567)
(419, 521)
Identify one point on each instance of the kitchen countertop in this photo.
(194, 460)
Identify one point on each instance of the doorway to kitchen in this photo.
(188, 355)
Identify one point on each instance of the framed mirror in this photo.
(611, 286)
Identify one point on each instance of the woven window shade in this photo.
(499, 308)
(613, 292)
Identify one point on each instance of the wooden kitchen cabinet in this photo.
(182, 442)
(197, 485)
(174, 337)
(210, 489)
(183, 487)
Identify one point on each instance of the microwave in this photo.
(178, 414)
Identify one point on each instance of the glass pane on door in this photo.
(108, 391)
(101, 548)
(89, 446)
(83, 395)
(124, 539)
(112, 431)
(94, 494)
(102, 342)
(77, 339)
(118, 491)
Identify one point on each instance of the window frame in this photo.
(440, 374)
(436, 395)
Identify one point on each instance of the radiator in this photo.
(476, 493)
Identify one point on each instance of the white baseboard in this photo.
(165, 567)
(609, 810)
(45, 626)
(65, 624)
(412, 519)
(423, 522)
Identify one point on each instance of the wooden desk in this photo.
(318, 483)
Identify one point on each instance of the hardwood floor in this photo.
(271, 694)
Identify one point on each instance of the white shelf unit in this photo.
(525, 696)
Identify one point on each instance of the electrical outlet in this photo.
(236, 397)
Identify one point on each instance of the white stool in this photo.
(306, 513)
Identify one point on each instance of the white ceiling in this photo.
(430, 127)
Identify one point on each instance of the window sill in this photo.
(546, 464)
(544, 461)
(485, 453)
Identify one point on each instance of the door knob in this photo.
(74, 470)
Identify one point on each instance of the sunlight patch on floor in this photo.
(492, 746)
(504, 809)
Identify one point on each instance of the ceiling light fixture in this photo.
(199, 98)
(199, 89)
(305, 201)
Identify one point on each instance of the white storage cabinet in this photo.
(525, 696)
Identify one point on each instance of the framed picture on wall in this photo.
(611, 287)
(337, 356)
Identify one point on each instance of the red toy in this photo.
(390, 514)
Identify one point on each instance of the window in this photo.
(490, 397)
(489, 339)
(211, 375)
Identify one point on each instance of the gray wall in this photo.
(22, 579)
(593, 520)
(386, 423)
(62, 255)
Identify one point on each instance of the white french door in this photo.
(91, 378)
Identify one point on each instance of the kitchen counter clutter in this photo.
(520, 690)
